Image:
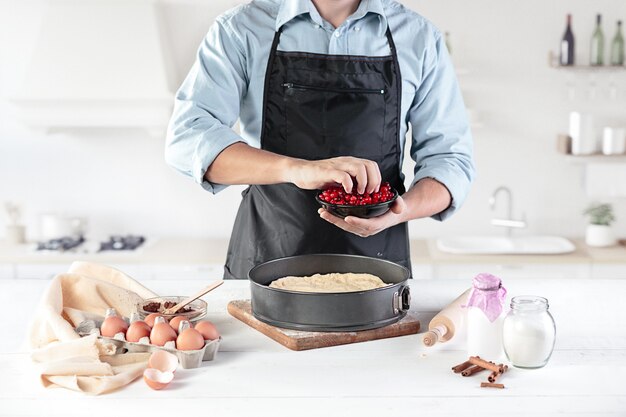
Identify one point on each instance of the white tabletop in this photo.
(253, 375)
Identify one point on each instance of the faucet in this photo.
(509, 223)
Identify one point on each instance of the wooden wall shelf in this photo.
(589, 68)
(596, 158)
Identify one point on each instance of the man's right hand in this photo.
(314, 175)
(240, 163)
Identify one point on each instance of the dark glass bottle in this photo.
(567, 50)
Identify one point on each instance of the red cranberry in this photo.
(337, 195)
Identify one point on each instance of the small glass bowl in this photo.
(198, 308)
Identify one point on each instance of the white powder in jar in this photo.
(528, 337)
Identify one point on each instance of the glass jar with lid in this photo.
(529, 332)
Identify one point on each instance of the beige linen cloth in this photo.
(84, 364)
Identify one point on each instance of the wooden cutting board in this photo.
(301, 340)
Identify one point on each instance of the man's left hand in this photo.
(369, 227)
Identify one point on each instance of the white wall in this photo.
(524, 104)
(118, 179)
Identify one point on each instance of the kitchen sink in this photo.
(501, 245)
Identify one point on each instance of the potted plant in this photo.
(599, 232)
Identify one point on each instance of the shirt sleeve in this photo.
(441, 138)
(207, 106)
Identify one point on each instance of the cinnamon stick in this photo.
(461, 367)
(491, 385)
(471, 371)
(475, 360)
(494, 375)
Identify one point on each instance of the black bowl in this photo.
(364, 212)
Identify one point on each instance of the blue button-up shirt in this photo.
(227, 79)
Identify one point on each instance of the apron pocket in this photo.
(324, 122)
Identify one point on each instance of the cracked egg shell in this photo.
(156, 379)
(163, 361)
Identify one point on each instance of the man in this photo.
(324, 91)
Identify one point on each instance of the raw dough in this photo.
(334, 282)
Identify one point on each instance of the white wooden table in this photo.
(254, 375)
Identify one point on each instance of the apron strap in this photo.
(392, 45)
(266, 84)
(276, 40)
(396, 64)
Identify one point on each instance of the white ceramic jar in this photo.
(529, 332)
(613, 141)
(581, 130)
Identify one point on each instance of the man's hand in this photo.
(242, 164)
(317, 175)
(369, 227)
(426, 198)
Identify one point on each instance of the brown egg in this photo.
(207, 330)
(190, 339)
(175, 322)
(137, 330)
(150, 318)
(161, 332)
(113, 325)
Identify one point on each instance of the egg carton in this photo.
(188, 359)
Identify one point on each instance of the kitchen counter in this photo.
(202, 258)
(170, 250)
(206, 251)
(253, 375)
(582, 254)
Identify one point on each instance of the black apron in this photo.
(318, 106)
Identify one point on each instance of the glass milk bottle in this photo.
(529, 332)
(485, 316)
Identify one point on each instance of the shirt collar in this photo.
(290, 9)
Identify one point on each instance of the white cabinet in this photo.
(422, 271)
(506, 271)
(465, 271)
(40, 271)
(204, 272)
(140, 272)
(608, 271)
(6, 271)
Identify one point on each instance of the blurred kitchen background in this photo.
(86, 88)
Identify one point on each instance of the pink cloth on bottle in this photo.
(488, 294)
